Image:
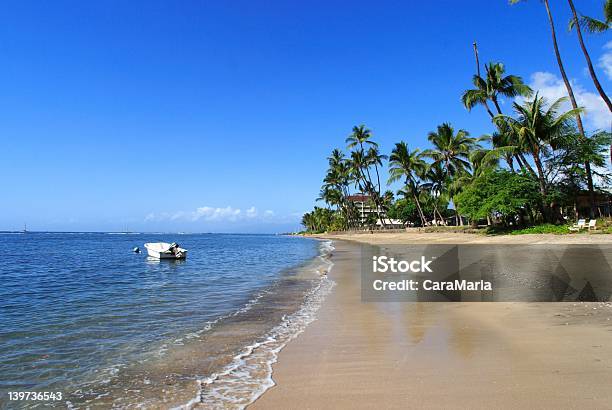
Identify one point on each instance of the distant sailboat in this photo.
(25, 228)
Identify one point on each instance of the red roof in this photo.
(358, 198)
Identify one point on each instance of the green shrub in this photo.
(544, 228)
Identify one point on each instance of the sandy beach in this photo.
(417, 237)
(444, 355)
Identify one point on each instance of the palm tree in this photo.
(484, 160)
(593, 25)
(336, 186)
(409, 166)
(607, 8)
(318, 220)
(536, 130)
(570, 91)
(489, 89)
(451, 150)
(484, 102)
(363, 157)
(360, 136)
(374, 157)
(338, 173)
(495, 85)
(436, 184)
(332, 196)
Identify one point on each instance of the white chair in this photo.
(577, 227)
(593, 225)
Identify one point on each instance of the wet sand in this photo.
(444, 355)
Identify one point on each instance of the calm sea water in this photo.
(77, 308)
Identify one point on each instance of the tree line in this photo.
(534, 165)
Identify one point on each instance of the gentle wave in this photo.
(249, 374)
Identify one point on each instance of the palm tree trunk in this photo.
(494, 99)
(542, 183)
(379, 199)
(437, 210)
(570, 91)
(412, 188)
(441, 217)
(435, 213)
(370, 191)
(526, 164)
(588, 58)
(418, 205)
(478, 73)
(458, 219)
(510, 163)
(520, 162)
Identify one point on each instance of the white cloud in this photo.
(551, 87)
(251, 212)
(209, 214)
(605, 61)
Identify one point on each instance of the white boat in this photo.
(163, 250)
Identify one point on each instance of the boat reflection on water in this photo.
(172, 262)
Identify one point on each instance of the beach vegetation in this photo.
(542, 229)
(509, 197)
(536, 171)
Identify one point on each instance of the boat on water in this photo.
(163, 250)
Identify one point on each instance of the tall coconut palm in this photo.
(490, 89)
(586, 54)
(495, 84)
(537, 128)
(338, 173)
(357, 165)
(408, 166)
(360, 136)
(570, 92)
(451, 150)
(484, 102)
(336, 186)
(360, 163)
(364, 156)
(375, 158)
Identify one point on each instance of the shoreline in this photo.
(444, 354)
(403, 237)
(248, 375)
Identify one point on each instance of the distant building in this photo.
(365, 207)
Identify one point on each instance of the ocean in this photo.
(84, 316)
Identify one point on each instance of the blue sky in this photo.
(217, 116)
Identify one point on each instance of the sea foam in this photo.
(249, 374)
